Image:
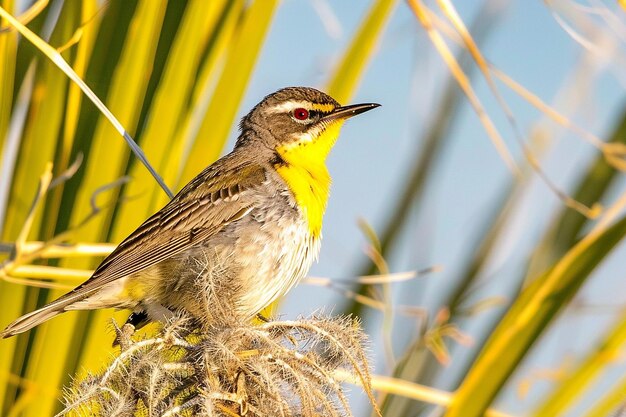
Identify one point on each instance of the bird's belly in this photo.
(273, 261)
(243, 268)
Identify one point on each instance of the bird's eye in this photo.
(301, 114)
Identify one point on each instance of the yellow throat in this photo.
(304, 170)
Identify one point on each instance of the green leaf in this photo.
(524, 323)
(572, 386)
(37, 149)
(168, 107)
(53, 355)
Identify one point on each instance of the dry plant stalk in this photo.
(224, 365)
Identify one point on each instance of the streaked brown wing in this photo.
(201, 209)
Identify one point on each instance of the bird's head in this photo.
(300, 121)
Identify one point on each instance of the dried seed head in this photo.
(279, 368)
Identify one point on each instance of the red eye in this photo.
(301, 114)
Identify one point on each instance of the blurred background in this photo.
(486, 192)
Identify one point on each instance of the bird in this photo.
(238, 236)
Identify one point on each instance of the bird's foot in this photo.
(123, 336)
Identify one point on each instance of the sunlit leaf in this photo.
(536, 307)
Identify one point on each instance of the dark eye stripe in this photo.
(310, 116)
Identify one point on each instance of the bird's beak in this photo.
(346, 112)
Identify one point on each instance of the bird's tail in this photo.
(35, 318)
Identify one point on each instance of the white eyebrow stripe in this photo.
(288, 106)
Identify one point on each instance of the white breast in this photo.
(278, 255)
